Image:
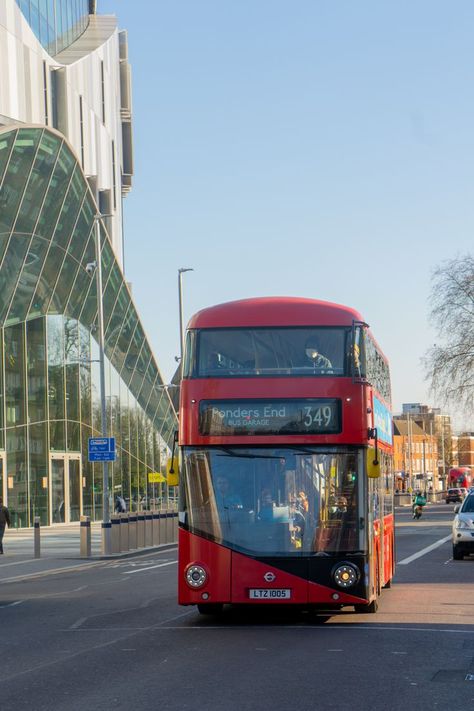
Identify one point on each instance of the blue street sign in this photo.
(102, 449)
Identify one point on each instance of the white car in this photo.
(463, 528)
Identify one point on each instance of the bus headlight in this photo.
(196, 576)
(346, 575)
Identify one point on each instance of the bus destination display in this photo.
(269, 417)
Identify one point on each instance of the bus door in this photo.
(340, 532)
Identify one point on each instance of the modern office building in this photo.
(66, 160)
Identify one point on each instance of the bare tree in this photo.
(449, 366)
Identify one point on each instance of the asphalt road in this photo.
(112, 636)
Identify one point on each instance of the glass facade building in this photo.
(56, 23)
(50, 400)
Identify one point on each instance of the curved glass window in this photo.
(48, 312)
(56, 23)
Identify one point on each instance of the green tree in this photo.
(449, 365)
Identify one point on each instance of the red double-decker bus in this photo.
(460, 476)
(285, 437)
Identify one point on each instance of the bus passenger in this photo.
(298, 511)
(340, 510)
(318, 361)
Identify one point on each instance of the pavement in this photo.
(60, 550)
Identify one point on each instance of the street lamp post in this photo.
(180, 299)
(106, 525)
(410, 461)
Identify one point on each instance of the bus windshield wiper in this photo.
(228, 452)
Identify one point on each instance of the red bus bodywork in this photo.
(232, 573)
(460, 476)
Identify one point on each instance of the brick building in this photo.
(466, 449)
(415, 456)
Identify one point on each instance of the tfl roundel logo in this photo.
(269, 577)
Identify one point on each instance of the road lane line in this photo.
(18, 562)
(78, 623)
(141, 570)
(423, 551)
(318, 629)
(51, 571)
(104, 562)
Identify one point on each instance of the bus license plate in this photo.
(270, 593)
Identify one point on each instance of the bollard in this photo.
(145, 528)
(156, 528)
(115, 534)
(148, 529)
(37, 541)
(165, 527)
(141, 529)
(175, 526)
(124, 542)
(86, 547)
(169, 526)
(132, 530)
(162, 527)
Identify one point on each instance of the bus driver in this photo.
(225, 498)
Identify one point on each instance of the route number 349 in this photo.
(320, 416)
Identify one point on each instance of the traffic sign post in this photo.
(102, 449)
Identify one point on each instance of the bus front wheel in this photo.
(210, 608)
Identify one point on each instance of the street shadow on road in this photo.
(268, 615)
(262, 617)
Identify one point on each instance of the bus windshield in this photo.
(249, 352)
(274, 501)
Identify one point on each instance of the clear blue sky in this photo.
(310, 148)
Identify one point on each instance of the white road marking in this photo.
(142, 570)
(52, 571)
(12, 604)
(18, 562)
(78, 623)
(68, 569)
(423, 551)
(332, 627)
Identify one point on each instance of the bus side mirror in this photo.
(172, 471)
(373, 464)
